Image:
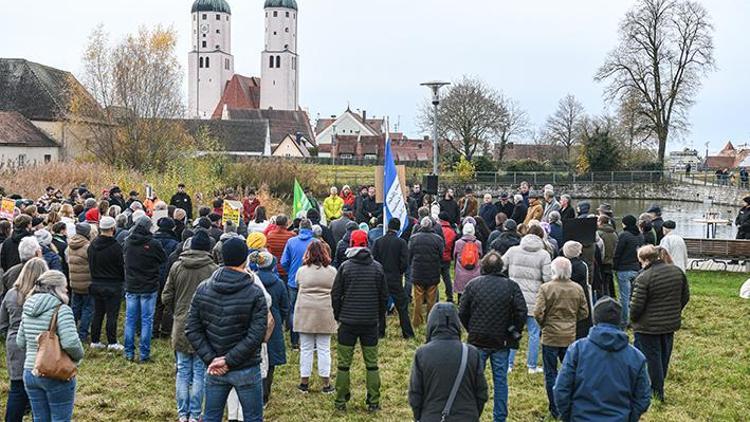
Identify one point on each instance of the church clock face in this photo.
(204, 28)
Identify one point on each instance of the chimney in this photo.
(426, 138)
(364, 116)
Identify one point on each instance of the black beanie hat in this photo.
(607, 311)
(165, 223)
(200, 242)
(629, 221)
(234, 251)
(204, 223)
(394, 224)
(214, 218)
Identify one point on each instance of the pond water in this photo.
(681, 213)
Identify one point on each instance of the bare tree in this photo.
(471, 115)
(632, 125)
(564, 126)
(666, 47)
(515, 124)
(138, 84)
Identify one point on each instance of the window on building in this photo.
(218, 17)
(286, 30)
(217, 46)
(193, 17)
(203, 44)
(21, 160)
(287, 14)
(207, 63)
(371, 157)
(205, 16)
(201, 63)
(286, 46)
(204, 35)
(227, 18)
(274, 32)
(346, 156)
(275, 14)
(226, 64)
(218, 31)
(294, 63)
(47, 158)
(278, 61)
(270, 62)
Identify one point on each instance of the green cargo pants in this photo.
(347, 338)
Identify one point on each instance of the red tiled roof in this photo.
(16, 130)
(721, 161)
(322, 124)
(241, 92)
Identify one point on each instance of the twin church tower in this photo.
(211, 63)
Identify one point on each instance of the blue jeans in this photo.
(191, 376)
(83, 312)
(550, 356)
(249, 387)
(532, 355)
(18, 402)
(139, 308)
(293, 336)
(499, 363)
(51, 400)
(624, 280)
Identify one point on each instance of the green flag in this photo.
(301, 203)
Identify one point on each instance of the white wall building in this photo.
(279, 89)
(210, 62)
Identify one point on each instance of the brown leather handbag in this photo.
(51, 360)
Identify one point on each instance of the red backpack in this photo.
(469, 255)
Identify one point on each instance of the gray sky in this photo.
(374, 54)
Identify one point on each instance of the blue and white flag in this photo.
(394, 205)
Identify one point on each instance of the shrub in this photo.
(526, 165)
(484, 163)
(464, 170)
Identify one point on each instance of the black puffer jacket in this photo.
(228, 317)
(9, 253)
(743, 223)
(660, 293)
(107, 265)
(392, 253)
(425, 256)
(143, 258)
(436, 366)
(359, 292)
(505, 241)
(490, 305)
(519, 212)
(626, 252)
(451, 207)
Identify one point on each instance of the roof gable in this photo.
(282, 122)
(16, 130)
(291, 141)
(241, 92)
(348, 118)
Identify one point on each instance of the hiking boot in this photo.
(304, 388)
(328, 389)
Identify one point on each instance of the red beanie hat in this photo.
(92, 215)
(358, 239)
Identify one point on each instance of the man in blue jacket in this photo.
(603, 378)
(291, 261)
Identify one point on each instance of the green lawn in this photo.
(709, 377)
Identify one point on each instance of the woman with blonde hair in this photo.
(11, 311)
(51, 219)
(50, 399)
(68, 216)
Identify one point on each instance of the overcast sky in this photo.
(374, 54)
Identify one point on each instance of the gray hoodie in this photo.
(37, 312)
(528, 264)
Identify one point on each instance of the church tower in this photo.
(279, 87)
(210, 62)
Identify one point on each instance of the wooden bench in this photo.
(717, 250)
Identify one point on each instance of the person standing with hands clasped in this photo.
(560, 304)
(226, 326)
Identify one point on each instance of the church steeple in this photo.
(279, 60)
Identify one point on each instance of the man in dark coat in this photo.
(144, 256)
(743, 220)
(567, 211)
(313, 214)
(657, 222)
(392, 253)
(169, 241)
(115, 198)
(343, 244)
(416, 199)
(338, 226)
(425, 256)
(507, 239)
(107, 266)
(359, 205)
(449, 205)
(9, 253)
(226, 326)
(434, 370)
(488, 211)
(358, 297)
(494, 311)
(519, 210)
(505, 205)
(181, 199)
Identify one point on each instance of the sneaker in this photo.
(117, 347)
(183, 419)
(328, 389)
(536, 370)
(510, 369)
(373, 408)
(97, 346)
(304, 388)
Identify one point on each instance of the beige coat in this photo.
(313, 313)
(559, 306)
(78, 264)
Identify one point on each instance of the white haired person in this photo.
(11, 311)
(579, 274)
(560, 304)
(28, 248)
(50, 399)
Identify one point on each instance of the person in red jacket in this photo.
(449, 234)
(249, 205)
(276, 241)
(348, 196)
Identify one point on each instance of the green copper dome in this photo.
(220, 6)
(289, 4)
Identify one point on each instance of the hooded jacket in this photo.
(280, 310)
(332, 206)
(143, 258)
(660, 293)
(294, 251)
(182, 200)
(107, 265)
(216, 250)
(9, 251)
(626, 251)
(78, 264)
(505, 241)
(11, 313)
(490, 306)
(528, 264)
(435, 367)
(37, 313)
(228, 317)
(392, 253)
(192, 268)
(519, 212)
(168, 240)
(425, 256)
(603, 379)
(609, 237)
(359, 292)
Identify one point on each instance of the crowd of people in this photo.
(226, 292)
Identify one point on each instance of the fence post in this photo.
(592, 177)
(554, 178)
(612, 177)
(495, 179)
(534, 179)
(514, 179)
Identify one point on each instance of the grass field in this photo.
(709, 377)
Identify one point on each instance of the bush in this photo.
(484, 163)
(526, 165)
(277, 174)
(464, 170)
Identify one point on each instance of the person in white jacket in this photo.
(528, 264)
(675, 245)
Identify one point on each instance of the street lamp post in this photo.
(435, 87)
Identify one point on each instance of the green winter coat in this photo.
(37, 313)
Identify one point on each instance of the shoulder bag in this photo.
(51, 360)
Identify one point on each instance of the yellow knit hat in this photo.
(256, 240)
